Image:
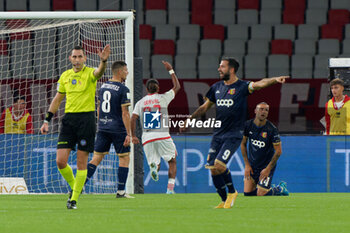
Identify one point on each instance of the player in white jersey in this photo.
(152, 110)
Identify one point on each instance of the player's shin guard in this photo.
(228, 181)
(122, 176)
(252, 193)
(91, 168)
(79, 184)
(220, 186)
(67, 174)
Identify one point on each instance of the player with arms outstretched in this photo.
(264, 151)
(114, 125)
(230, 99)
(78, 126)
(156, 141)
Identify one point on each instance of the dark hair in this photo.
(337, 81)
(17, 98)
(78, 47)
(232, 62)
(117, 65)
(152, 85)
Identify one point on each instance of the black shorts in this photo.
(264, 184)
(105, 139)
(78, 128)
(222, 150)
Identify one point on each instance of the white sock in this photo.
(171, 184)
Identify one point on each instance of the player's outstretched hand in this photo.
(44, 128)
(167, 65)
(104, 54)
(281, 79)
(135, 140)
(126, 141)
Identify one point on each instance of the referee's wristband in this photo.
(171, 72)
(48, 117)
(104, 61)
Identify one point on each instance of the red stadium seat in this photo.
(109, 22)
(63, 5)
(282, 47)
(20, 36)
(294, 4)
(3, 47)
(145, 31)
(248, 4)
(202, 12)
(18, 23)
(92, 46)
(338, 16)
(293, 16)
(214, 31)
(164, 47)
(201, 17)
(202, 5)
(155, 5)
(331, 31)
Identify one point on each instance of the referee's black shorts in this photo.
(77, 128)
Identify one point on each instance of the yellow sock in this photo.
(67, 174)
(79, 183)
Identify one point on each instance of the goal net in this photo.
(34, 51)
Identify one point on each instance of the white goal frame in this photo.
(129, 49)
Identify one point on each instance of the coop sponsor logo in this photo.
(224, 102)
(13, 186)
(258, 143)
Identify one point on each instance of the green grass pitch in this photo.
(153, 213)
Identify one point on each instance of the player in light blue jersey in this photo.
(229, 95)
(114, 125)
(261, 158)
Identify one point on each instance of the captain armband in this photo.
(250, 87)
(48, 117)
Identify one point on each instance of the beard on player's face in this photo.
(226, 76)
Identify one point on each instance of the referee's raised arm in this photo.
(104, 54)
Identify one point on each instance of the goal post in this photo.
(34, 50)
